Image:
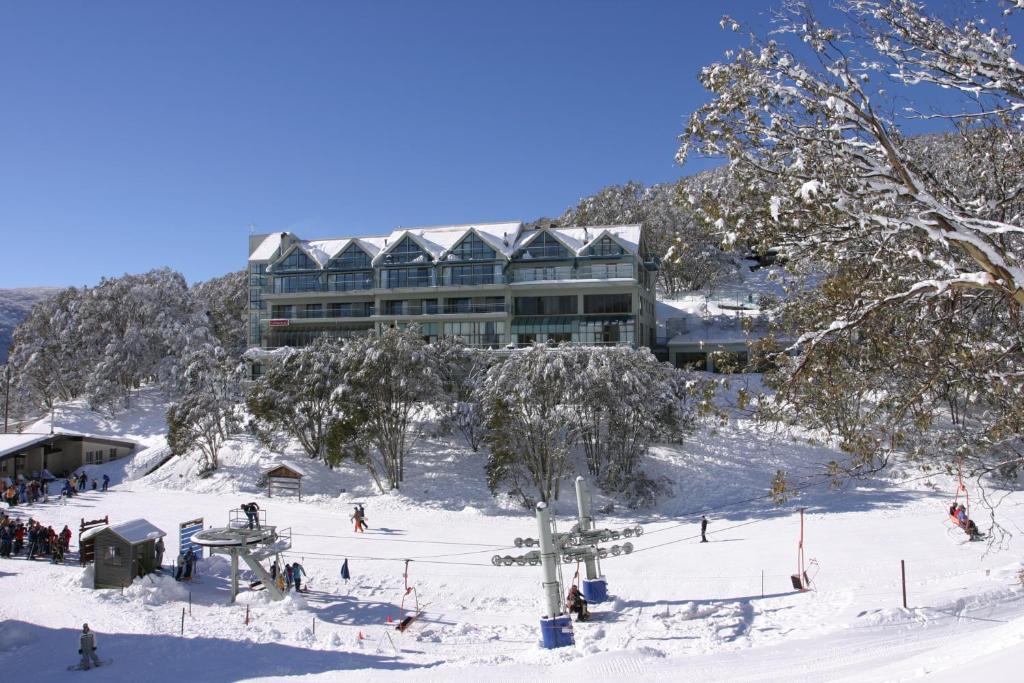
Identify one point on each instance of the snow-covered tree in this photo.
(460, 370)
(621, 401)
(392, 381)
(207, 412)
(918, 255)
(224, 302)
(296, 395)
(530, 433)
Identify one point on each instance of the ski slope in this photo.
(724, 610)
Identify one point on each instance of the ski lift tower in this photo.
(580, 545)
(250, 543)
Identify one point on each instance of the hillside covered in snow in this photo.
(724, 610)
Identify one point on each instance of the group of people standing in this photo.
(33, 538)
(25, 492)
(288, 578)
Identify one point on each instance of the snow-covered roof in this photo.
(133, 531)
(13, 443)
(266, 249)
(286, 463)
(506, 238)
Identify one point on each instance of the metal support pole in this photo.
(586, 521)
(548, 561)
(903, 576)
(234, 577)
(7, 395)
(183, 621)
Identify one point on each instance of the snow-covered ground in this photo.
(724, 610)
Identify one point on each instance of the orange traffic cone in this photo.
(390, 620)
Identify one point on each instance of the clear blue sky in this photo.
(144, 134)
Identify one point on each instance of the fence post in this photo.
(314, 626)
(762, 583)
(190, 603)
(182, 621)
(903, 576)
(247, 615)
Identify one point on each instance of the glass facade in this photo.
(406, 251)
(605, 246)
(481, 274)
(472, 248)
(312, 298)
(545, 246)
(608, 303)
(545, 305)
(352, 258)
(391, 278)
(348, 282)
(297, 260)
(290, 284)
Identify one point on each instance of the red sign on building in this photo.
(280, 322)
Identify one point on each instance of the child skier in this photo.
(87, 648)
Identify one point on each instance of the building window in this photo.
(606, 246)
(353, 258)
(477, 333)
(89, 456)
(282, 311)
(545, 305)
(482, 274)
(406, 251)
(290, 284)
(472, 248)
(406, 277)
(295, 261)
(347, 282)
(113, 557)
(113, 454)
(607, 303)
(349, 310)
(99, 457)
(314, 311)
(545, 246)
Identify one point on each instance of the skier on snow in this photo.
(87, 648)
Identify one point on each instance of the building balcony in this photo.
(613, 271)
(446, 309)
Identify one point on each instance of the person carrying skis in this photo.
(87, 648)
(297, 573)
(703, 528)
(362, 516)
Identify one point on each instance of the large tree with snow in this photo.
(206, 414)
(915, 244)
(391, 380)
(296, 395)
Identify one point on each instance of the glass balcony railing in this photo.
(590, 272)
(446, 309)
(316, 314)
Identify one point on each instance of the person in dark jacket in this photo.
(703, 529)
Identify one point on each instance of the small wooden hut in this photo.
(123, 552)
(284, 477)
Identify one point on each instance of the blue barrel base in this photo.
(595, 590)
(556, 632)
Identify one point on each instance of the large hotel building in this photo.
(495, 285)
